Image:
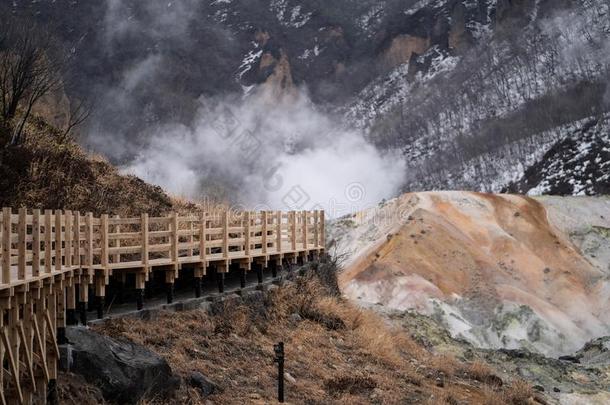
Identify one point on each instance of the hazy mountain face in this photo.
(438, 93)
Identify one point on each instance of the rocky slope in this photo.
(500, 271)
(474, 94)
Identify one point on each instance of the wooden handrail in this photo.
(32, 245)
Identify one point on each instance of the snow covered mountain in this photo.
(475, 94)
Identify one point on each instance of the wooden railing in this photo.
(50, 259)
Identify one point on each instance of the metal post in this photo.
(279, 359)
(259, 273)
(140, 298)
(170, 293)
(242, 277)
(83, 313)
(100, 307)
(221, 282)
(198, 287)
(274, 269)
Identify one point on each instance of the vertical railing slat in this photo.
(278, 216)
(68, 238)
(36, 243)
(144, 240)
(202, 236)
(21, 243)
(89, 239)
(77, 240)
(225, 235)
(48, 241)
(58, 241)
(104, 240)
(6, 245)
(264, 231)
(305, 230)
(247, 233)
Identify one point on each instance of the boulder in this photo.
(204, 384)
(124, 371)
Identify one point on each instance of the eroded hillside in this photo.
(498, 270)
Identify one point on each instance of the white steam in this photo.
(261, 154)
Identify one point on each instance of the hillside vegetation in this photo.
(49, 172)
(335, 353)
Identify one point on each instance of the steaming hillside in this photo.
(499, 271)
(469, 95)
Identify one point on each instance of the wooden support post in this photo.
(71, 304)
(140, 286)
(6, 245)
(84, 300)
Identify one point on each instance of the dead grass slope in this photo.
(335, 353)
(46, 172)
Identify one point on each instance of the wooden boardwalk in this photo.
(50, 260)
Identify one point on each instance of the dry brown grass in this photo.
(518, 393)
(337, 353)
(46, 172)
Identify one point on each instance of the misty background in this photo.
(298, 104)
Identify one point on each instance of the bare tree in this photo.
(27, 73)
(79, 113)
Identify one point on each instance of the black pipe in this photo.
(259, 273)
(121, 293)
(274, 270)
(242, 278)
(100, 307)
(221, 282)
(83, 313)
(91, 302)
(170, 292)
(61, 336)
(139, 298)
(198, 282)
(71, 317)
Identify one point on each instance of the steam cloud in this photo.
(252, 151)
(288, 156)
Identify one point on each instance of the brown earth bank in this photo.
(335, 353)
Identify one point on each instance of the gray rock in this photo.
(295, 318)
(204, 384)
(124, 371)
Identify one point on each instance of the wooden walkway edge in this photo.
(50, 260)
